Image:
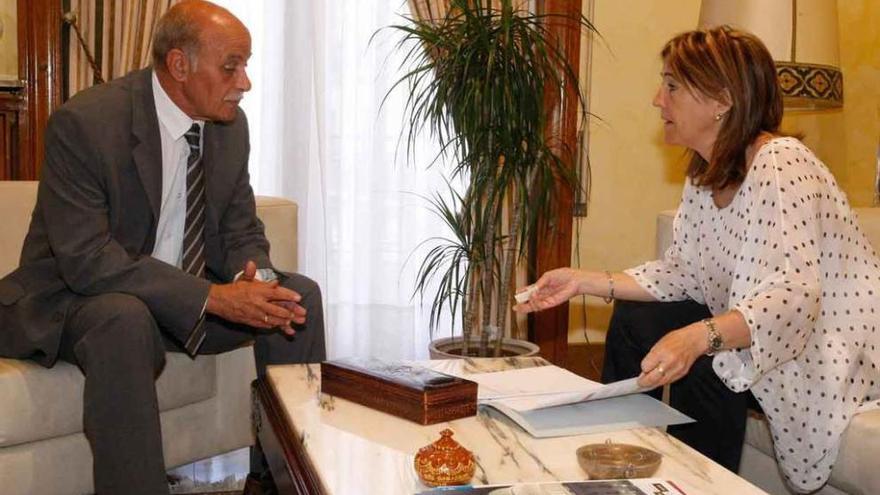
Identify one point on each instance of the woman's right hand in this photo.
(552, 289)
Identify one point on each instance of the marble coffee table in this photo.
(320, 444)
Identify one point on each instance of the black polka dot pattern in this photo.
(788, 254)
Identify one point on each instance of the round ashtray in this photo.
(605, 461)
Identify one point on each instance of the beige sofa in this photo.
(857, 470)
(205, 403)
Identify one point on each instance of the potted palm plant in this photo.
(476, 79)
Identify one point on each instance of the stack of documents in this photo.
(548, 401)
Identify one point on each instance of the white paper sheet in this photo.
(593, 416)
(548, 401)
(527, 389)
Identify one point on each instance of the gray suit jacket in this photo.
(94, 225)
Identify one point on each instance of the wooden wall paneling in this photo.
(11, 107)
(7, 149)
(549, 328)
(39, 48)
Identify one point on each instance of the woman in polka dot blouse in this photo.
(773, 283)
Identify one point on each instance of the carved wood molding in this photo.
(39, 48)
(11, 107)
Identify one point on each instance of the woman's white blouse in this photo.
(788, 254)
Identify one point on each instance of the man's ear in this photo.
(177, 63)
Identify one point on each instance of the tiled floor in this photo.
(218, 474)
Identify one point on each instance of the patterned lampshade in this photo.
(802, 37)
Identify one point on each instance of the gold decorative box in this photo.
(445, 462)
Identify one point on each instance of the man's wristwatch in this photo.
(266, 274)
(716, 343)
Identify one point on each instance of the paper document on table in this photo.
(593, 416)
(538, 387)
(615, 389)
(548, 401)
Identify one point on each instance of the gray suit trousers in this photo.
(120, 349)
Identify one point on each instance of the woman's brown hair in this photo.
(735, 67)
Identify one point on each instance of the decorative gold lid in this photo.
(604, 461)
(444, 462)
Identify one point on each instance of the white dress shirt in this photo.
(173, 124)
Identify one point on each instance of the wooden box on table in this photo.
(407, 391)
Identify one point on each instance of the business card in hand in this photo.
(525, 295)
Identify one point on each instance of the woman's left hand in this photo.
(673, 355)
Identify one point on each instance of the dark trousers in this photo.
(120, 349)
(720, 414)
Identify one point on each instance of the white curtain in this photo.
(126, 37)
(319, 138)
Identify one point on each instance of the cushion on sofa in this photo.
(16, 204)
(279, 216)
(869, 221)
(758, 433)
(856, 469)
(40, 403)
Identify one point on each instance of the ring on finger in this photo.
(265, 318)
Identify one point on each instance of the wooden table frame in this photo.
(290, 465)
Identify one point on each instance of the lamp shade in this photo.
(802, 37)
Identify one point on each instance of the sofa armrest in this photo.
(664, 232)
(280, 218)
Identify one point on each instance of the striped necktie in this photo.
(194, 226)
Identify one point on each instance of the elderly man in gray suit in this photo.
(145, 238)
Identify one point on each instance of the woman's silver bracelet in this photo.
(610, 297)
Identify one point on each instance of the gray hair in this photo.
(176, 29)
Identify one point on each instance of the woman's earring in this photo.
(719, 115)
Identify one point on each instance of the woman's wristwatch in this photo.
(716, 343)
